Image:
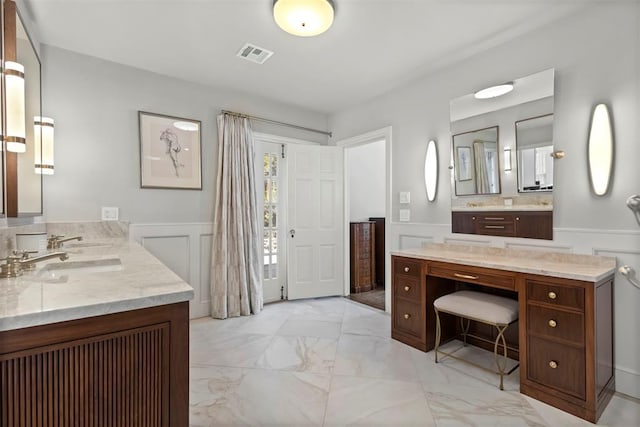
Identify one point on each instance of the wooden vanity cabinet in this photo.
(565, 327)
(122, 369)
(526, 224)
(362, 256)
(566, 335)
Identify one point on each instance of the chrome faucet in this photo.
(55, 242)
(18, 262)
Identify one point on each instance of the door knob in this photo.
(293, 233)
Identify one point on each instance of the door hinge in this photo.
(282, 146)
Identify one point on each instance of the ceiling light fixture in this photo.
(303, 18)
(494, 91)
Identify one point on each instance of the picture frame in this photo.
(170, 152)
(463, 155)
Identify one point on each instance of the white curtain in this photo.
(236, 264)
(480, 164)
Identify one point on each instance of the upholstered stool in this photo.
(485, 308)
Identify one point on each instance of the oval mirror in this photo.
(600, 150)
(431, 170)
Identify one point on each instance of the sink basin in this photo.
(88, 266)
(82, 245)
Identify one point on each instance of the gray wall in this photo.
(95, 105)
(366, 169)
(593, 63)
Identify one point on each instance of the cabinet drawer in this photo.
(473, 275)
(496, 228)
(407, 287)
(565, 296)
(557, 366)
(407, 266)
(408, 318)
(555, 323)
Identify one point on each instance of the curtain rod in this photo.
(260, 119)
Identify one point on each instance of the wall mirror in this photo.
(511, 195)
(534, 145)
(23, 189)
(475, 162)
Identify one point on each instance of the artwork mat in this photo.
(463, 155)
(157, 166)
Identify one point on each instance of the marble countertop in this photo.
(587, 268)
(502, 208)
(101, 276)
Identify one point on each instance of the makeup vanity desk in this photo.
(564, 336)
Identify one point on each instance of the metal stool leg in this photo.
(465, 330)
(501, 367)
(437, 334)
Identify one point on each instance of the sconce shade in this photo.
(303, 18)
(15, 137)
(507, 160)
(43, 141)
(600, 150)
(431, 170)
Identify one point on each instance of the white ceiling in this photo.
(373, 46)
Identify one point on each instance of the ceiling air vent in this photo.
(254, 53)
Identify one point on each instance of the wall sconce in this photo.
(15, 137)
(431, 170)
(600, 150)
(43, 131)
(303, 18)
(507, 159)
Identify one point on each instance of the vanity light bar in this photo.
(15, 138)
(494, 91)
(43, 147)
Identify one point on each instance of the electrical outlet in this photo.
(109, 213)
(405, 215)
(405, 197)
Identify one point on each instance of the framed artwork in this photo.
(169, 152)
(463, 155)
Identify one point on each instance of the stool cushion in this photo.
(486, 308)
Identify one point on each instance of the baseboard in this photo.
(628, 383)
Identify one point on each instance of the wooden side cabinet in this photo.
(567, 338)
(527, 224)
(123, 369)
(363, 262)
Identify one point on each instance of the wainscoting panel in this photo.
(621, 244)
(186, 250)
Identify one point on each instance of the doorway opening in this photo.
(365, 214)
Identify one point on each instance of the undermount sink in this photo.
(88, 266)
(83, 245)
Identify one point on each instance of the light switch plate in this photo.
(109, 213)
(405, 197)
(405, 215)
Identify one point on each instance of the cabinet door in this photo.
(463, 222)
(534, 225)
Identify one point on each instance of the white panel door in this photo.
(314, 221)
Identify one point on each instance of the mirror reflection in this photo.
(534, 145)
(29, 182)
(475, 162)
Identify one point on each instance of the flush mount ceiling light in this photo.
(494, 91)
(303, 18)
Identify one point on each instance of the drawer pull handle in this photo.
(552, 295)
(407, 315)
(553, 364)
(490, 218)
(494, 226)
(553, 323)
(406, 269)
(406, 288)
(465, 276)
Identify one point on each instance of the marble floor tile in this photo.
(304, 354)
(374, 357)
(235, 396)
(237, 350)
(378, 324)
(622, 411)
(458, 405)
(310, 328)
(372, 401)
(321, 309)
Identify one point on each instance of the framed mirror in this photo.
(534, 145)
(476, 163)
(23, 186)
